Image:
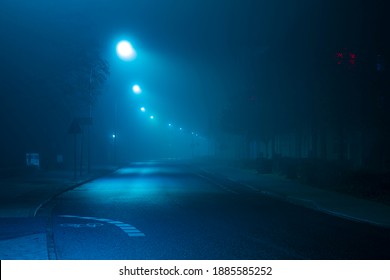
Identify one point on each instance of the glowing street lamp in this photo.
(125, 50)
(137, 89)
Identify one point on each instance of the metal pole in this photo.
(90, 118)
(81, 153)
(75, 157)
(115, 129)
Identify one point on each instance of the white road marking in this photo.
(135, 234)
(215, 183)
(251, 187)
(103, 220)
(89, 225)
(126, 228)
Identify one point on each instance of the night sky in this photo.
(193, 58)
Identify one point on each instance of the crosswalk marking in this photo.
(126, 228)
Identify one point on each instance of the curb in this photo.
(307, 203)
(310, 204)
(71, 187)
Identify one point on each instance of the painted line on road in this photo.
(243, 184)
(114, 222)
(89, 225)
(103, 220)
(231, 180)
(215, 183)
(250, 187)
(126, 228)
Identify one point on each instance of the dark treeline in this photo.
(318, 92)
(39, 103)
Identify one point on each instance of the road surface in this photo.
(169, 210)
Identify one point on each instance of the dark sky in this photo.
(192, 54)
(202, 40)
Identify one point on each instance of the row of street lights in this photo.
(126, 52)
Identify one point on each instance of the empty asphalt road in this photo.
(168, 210)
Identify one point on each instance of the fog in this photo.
(236, 80)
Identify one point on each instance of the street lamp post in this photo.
(126, 52)
(90, 118)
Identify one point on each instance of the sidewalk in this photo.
(330, 202)
(23, 234)
(23, 196)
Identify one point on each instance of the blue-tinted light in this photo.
(137, 89)
(142, 109)
(125, 50)
(152, 117)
